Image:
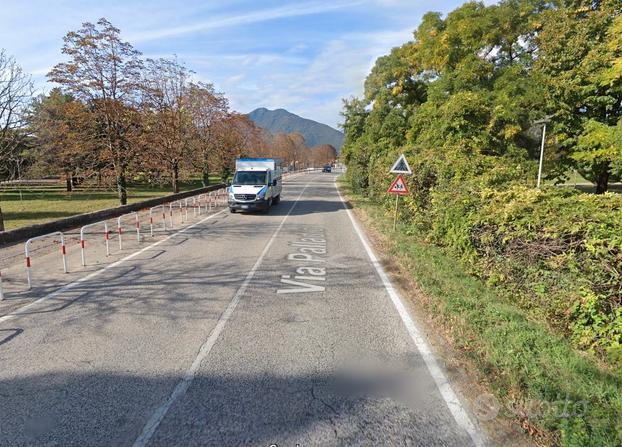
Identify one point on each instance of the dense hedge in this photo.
(556, 252)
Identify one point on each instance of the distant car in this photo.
(327, 168)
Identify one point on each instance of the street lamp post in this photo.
(544, 122)
(541, 155)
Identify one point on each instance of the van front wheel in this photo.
(276, 200)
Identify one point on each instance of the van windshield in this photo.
(250, 178)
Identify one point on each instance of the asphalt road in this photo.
(246, 329)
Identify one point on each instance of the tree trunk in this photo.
(1, 220)
(122, 188)
(68, 182)
(602, 181)
(175, 179)
(205, 170)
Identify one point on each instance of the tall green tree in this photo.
(579, 55)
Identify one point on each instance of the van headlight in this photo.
(231, 195)
(261, 194)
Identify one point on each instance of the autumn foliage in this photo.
(113, 118)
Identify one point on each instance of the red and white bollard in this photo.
(63, 251)
(82, 245)
(136, 225)
(83, 240)
(137, 228)
(107, 238)
(151, 211)
(120, 232)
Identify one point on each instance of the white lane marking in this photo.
(24, 309)
(182, 387)
(447, 392)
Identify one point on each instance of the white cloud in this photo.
(301, 9)
(315, 89)
(305, 65)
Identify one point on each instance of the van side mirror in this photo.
(228, 182)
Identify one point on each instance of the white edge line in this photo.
(451, 399)
(24, 310)
(182, 387)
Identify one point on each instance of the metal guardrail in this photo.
(151, 211)
(27, 253)
(24, 233)
(211, 200)
(180, 205)
(136, 226)
(83, 242)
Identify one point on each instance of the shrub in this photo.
(556, 252)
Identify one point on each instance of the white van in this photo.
(256, 185)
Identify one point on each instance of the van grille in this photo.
(244, 196)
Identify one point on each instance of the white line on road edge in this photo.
(23, 310)
(448, 394)
(182, 387)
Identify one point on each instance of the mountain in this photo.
(281, 120)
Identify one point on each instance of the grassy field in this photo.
(578, 181)
(558, 395)
(43, 204)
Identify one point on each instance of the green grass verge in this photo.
(559, 395)
(43, 204)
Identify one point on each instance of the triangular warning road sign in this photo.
(401, 166)
(398, 186)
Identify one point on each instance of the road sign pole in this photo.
(397, 198)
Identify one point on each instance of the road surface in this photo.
(244, 329)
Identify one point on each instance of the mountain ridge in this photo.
(281, 120)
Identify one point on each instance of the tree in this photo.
(16, 90)
(168, 120)
(104, 72)
(323, 154)
(235, 136)
(207, 108)
(283, 147)
(598, 152)
(299, 147)
(579, 55)
(64, 137)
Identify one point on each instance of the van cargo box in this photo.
(257, 164)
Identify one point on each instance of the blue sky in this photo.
(304, 56)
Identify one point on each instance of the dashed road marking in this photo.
(182, 387)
